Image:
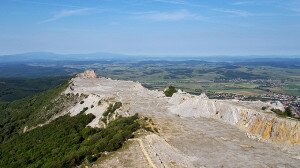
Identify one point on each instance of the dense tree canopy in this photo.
(65, 142)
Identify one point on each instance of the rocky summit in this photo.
(190, 130)
(88, 74)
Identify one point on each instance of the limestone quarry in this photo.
(192, 131)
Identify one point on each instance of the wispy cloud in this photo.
(182, 2)
(46, 3)
(233, 12)
(169, 16)
(242, 2)
(68, 13)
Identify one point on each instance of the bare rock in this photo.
(88, 74)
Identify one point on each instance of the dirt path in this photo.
(146, 154)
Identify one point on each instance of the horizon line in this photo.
(156, 55)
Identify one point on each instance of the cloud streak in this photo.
(178, 2)
(68, 13)
(243, 3)
(169, 16)
(239, 13)
(46, 4)
(182, 3)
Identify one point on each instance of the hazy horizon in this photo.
(41, 53)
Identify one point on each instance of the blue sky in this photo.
(151, 27)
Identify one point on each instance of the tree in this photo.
(170, 91)
(288, 111)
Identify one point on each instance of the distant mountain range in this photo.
(47, 56)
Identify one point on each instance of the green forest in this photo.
(15, 115)
(15, 88)
(64, 142)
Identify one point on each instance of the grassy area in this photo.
(292, 89)
(187, 75)
(208, 76)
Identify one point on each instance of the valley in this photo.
(182, 130)
(263, 79)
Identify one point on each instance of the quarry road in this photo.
(184, 141)
(216, 144)
(146, 154)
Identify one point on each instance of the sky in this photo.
(151, 27)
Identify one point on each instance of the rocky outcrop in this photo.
(88, 74)
(268, 127)
(248, 116)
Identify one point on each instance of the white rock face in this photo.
(187, 105)
(91, 102)
(200, 106)
(246, 115)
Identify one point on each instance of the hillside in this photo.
(195, 131)
(35, 134)
(17, 88)
(96, 115)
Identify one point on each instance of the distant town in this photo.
(287, 100)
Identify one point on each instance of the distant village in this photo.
(288, 101)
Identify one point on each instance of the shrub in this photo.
(84, 109)
(112, 108)
(117, 105)
(277, 111)
(288, 111)
(91, 158)
(108, 110)
(170, 91)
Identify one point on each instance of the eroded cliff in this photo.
(247, 116)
